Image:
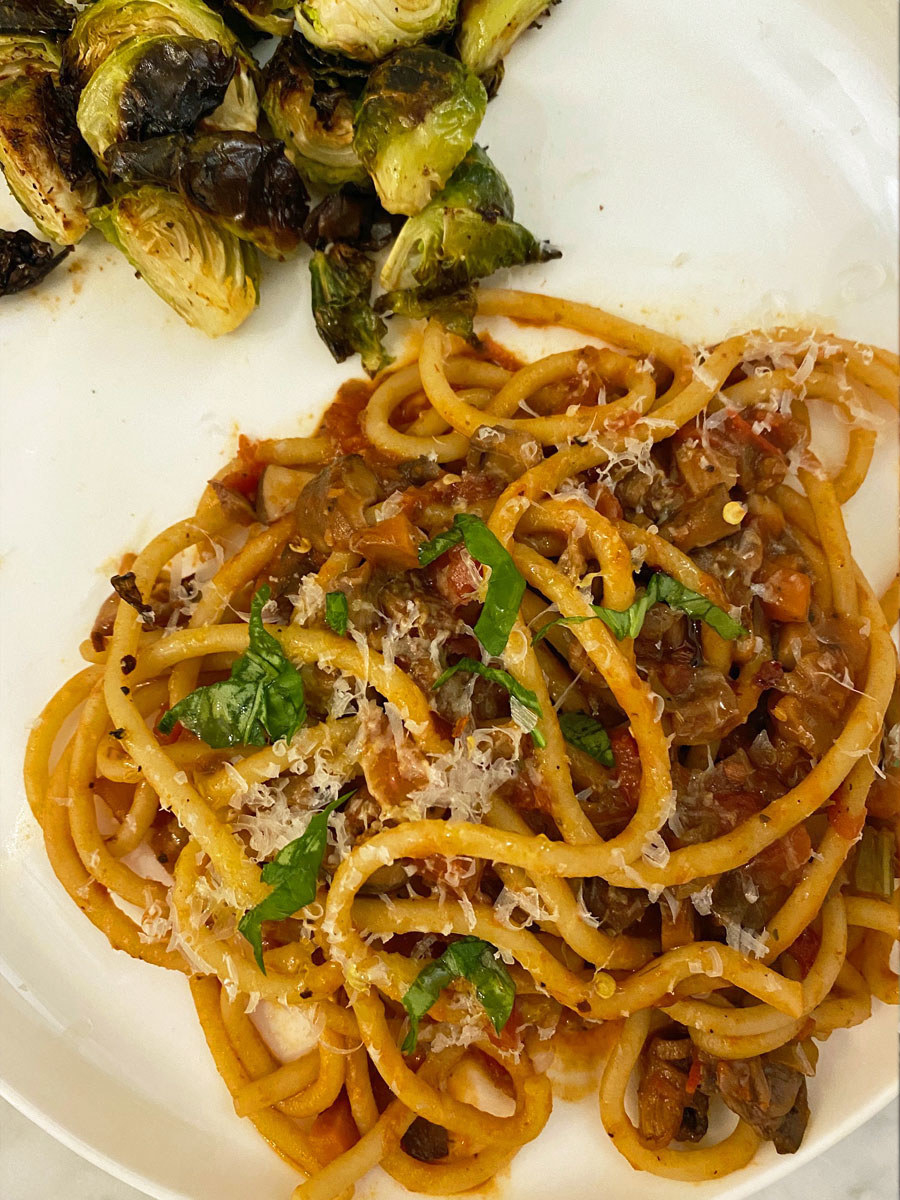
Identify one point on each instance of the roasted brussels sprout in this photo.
(311, 109)
(371, 29)
(209, 276)
(465, 233)
(418, 116)
(28, 52)
(46, 164)
(242, 181)
(24, 261)
(341, 279)
(488, 29)
(455, 310)
(36, 16)
(149, 87)
(103, 27)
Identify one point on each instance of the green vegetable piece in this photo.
(46, 164)
(336, 612)
(523, 695)
(261, 701)
(454, 310)
(417, 118)
(36, 16)
(104, 26)
(341, 289)
(463, 234)
(293, 874)
(873, 872)
(311, 107)
(27, 52)
(676, 595)
(470, 958)
(150, 87)
(586, 733)
(268, 16)
(488, 29)
(506, 586)
(209, 276)
(371, 29)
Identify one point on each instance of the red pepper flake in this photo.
(693, 1079)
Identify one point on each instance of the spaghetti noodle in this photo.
(520, 699)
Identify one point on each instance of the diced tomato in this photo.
(334, 1131)
(883, 800)
(166, 739)
(743, 431)
(805, 948)
(777, 864)
(628, 763)
(456, 576)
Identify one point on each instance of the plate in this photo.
(704, 168)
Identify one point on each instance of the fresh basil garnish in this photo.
(585, 733)
(261, 701)
(524, 695)
(293, 874)
(469, 958)
(506, 587)
(628, 622)
(336, 612)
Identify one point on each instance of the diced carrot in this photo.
(390, 543)
(334, 1131)
(787, 595)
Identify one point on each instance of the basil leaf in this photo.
(676, 595)
(545, 629)
(586, 733)
(496, 675)
(429, 551)
(469, 958)
(294, 874)
(262, 700)
(336, 612)
(629, 622)
(506, 587)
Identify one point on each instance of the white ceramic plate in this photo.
(704, 167)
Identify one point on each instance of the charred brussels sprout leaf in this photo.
(418, 117)
(36, 16)
(27, 53)
(341, 288)
(150, 87)
(241, 180)
(310, 106)
(465, 233)
(24, 261)
(107, 24)
(47, 166)
(488, 29)
(371, 29)
(264, 16)
(454, 310)
(353, 217)
(210, 277)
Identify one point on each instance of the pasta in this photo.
(522, 700)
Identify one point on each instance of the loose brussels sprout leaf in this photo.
(242, 181)
(106, 24)
(341, 280)
(371, 29)
(35, 16)
(210, 277)
(418, 116)
(43, 158)
(454, 310)
(27, 52)
(311, 109)
(149, 87)
(24, 261)
(353, 217)
(268, 16)
(488, 29)
(465, 233)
